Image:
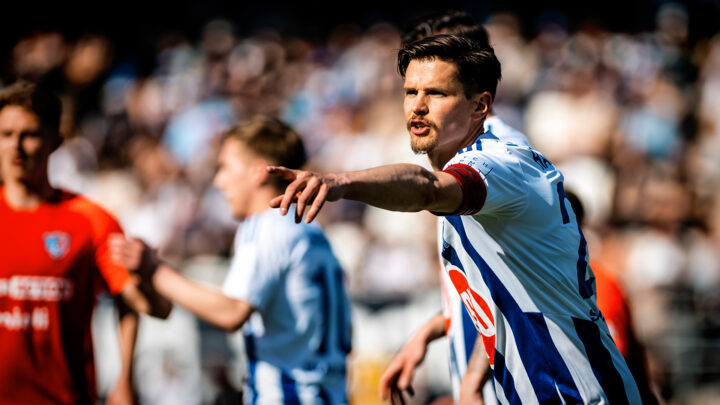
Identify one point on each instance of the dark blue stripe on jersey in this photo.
(324, 396)
(585, 287)
(565, 383)
(538, 353)
(503, 376)
(601, 361)
(470, 333)
(251, 384)
(252, 365)
(289, 389)
(343, 308)
(249, 341)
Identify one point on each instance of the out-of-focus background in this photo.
(623, 96)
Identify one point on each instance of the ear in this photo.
(483, 101)
(259, 173)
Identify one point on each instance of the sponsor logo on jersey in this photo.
(478, 309)
(57, 244)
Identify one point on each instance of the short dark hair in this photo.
(478, 67)
(36, 98)
(448, 22)
(270, 139)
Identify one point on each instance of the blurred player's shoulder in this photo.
(100, 220)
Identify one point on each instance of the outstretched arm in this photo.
(400, 187)
(397, 378)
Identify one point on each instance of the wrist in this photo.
(341, 183)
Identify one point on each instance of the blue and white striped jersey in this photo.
(520, 266)
(298, 337)
(460, 329)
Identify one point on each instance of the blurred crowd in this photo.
(632, 120)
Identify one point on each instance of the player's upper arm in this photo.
(102, 224)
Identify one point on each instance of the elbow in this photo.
(230, 324)
(233, 318)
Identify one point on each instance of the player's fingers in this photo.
(405, 378)
(284, 172)
(388, 381)
(275, 202)
(290, 194)
(304, 197)
(317, 204)
(397, 397)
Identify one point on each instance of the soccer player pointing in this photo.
(510, 241)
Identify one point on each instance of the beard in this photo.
(426, 143)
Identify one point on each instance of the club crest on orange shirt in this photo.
(57, 244)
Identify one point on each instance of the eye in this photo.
(410, 92)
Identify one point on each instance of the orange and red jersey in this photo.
(54, 261)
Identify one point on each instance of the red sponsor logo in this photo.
(478, 309)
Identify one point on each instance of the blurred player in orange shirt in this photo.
(54, 262)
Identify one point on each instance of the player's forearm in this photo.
(127, 337)
(207, 303)
(479, 365)
(431, 330)
(400, 187)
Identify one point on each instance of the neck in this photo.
(24, 194)
(440, 156)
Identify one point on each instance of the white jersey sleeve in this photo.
(502, 179)
(256, 270)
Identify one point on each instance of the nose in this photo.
(419, 105)
(12, 141)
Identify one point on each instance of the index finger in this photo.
(284, 172)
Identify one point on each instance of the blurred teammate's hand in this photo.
(133, 254)
(396, 381)
(306, 188)
(139, 259)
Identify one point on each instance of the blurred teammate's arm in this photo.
(206, 302)
(399, 187)
(122, 393)
(397, 378)
(476, 375)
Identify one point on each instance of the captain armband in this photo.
(473, 189)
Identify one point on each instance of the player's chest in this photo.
(52, 246)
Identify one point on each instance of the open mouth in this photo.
(418, 127)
